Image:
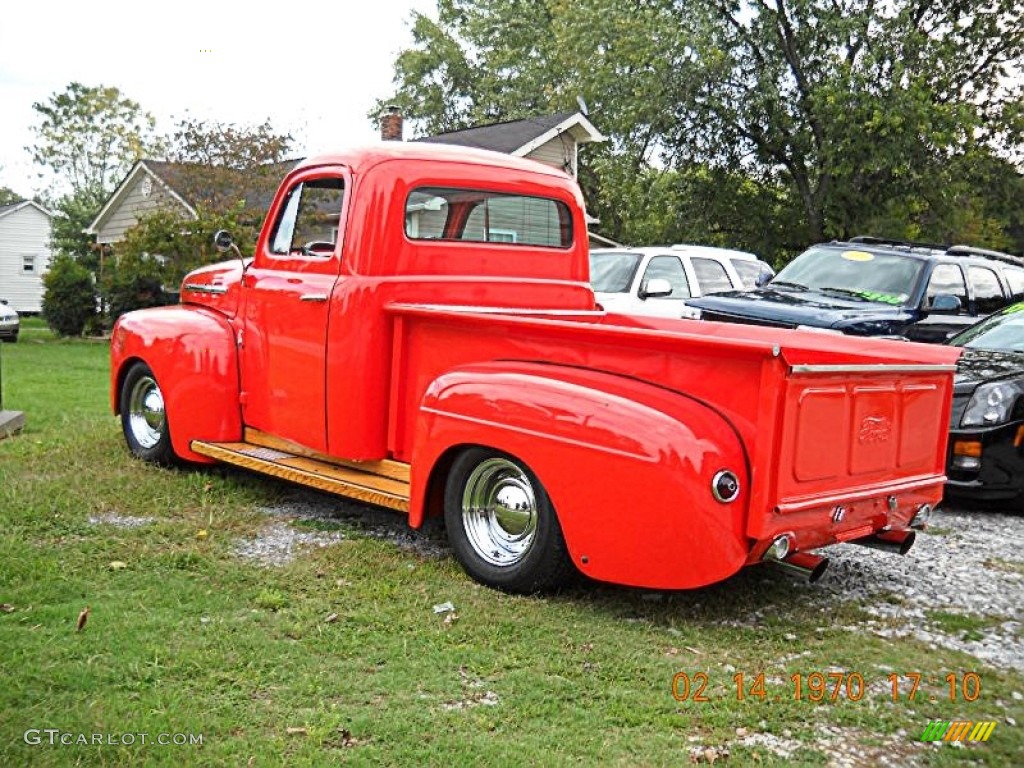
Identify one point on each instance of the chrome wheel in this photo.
(147, 420)
(499, 512)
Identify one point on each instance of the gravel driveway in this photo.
(969, 562)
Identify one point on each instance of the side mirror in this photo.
(945, 304)
(222, 240)
(656, 288)
(763, 278)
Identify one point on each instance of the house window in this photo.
(501, 235)
(28, 265)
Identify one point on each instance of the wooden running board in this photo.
(384, 483)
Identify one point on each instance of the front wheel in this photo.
(501, 523)
(143, 416)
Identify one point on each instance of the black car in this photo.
(986, 444)
(872, 287)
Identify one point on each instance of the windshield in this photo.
(612, 271)
(1003, 332)
(887, 278)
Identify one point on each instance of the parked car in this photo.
(10, 323)
(986, 446)
(872, 287)
(659, 280)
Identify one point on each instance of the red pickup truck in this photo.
(416, 330)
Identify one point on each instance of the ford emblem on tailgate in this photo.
(874, 429)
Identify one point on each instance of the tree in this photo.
(89, 136)
(227, 145)
(8, 196)
(486, 61)
(69, 301)
(855, 105)
(838, 112)
(73, 213)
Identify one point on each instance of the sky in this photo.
(314, 68)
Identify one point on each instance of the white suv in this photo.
(657, 280)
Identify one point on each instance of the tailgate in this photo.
(850, 433)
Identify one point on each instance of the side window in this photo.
(988, 293)
(669, 268)
(711, 276)
(308, 223)
(947, 279)
(1015, 277)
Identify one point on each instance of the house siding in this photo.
(556, 152)
(24, 232)
(133, 207)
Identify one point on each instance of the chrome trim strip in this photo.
(484, 310)
(314, 297)
(204, 288)
(873, 368)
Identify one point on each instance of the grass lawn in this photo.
(338, 656)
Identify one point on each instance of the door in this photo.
(287, 295)
(670, 269)
(934, 326)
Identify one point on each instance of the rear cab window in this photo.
(481, 216)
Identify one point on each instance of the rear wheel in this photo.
(143, 416)
(501, 523)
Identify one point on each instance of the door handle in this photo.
(313, 297)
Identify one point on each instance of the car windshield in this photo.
(1003, 332)
(612, 271)
(886, 278)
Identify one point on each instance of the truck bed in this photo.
(783, 392)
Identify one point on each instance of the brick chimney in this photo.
(391, 124)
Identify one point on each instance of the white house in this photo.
(25, 232)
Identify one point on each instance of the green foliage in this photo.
(227, 145)
(89, 136)
(723, 116)
(136, 283)
(73, 213)
(162, 248)
(8, 196)
(69, 301)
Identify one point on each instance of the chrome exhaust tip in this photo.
(921, 518)
(898, 542)
(803, 564)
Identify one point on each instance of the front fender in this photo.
(628, 465)
(192, 354)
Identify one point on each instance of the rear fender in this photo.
(628, 465)
(192, 354)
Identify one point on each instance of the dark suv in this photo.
(867, 286)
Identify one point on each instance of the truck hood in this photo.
(770, 306)
(217, 286)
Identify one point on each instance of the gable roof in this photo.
(520, 137)
(193, 184)
(12, 207)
